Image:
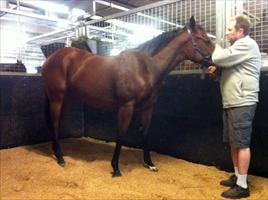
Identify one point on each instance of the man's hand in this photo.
(212, 70)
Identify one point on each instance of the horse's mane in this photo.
(156, 44)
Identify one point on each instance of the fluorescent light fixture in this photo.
(95, 17)
(77, 12)
(112, 5)
(47, 5)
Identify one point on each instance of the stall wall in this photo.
(186, 121)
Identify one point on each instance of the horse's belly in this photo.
(94, 96)
(99, 103)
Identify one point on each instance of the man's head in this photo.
(237, 28)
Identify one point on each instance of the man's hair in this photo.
(242, 22)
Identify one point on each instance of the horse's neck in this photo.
(170, 56)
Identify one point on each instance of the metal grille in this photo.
(142, 25)
(139, 25)
(131, 28)
(258, 14)
(257, 11)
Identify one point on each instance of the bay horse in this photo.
(128, 82)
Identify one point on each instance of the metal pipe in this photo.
(94, 7)
(112, 5)
(32, 15)
(48, 34)
(18, 4)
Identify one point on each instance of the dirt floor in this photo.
(31, 172)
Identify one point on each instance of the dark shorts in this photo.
(237, 125)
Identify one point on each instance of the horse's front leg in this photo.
(145, 117)
(124, 116)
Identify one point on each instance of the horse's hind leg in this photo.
(124, 117)
(55, 113)
(145, 117)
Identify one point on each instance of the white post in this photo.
(225, 9)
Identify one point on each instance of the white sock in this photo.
(236, 171)
(242, 181)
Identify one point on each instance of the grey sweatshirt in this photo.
(241, 64)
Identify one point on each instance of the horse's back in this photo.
(61, 63)
(65, 57)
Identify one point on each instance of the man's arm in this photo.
(233, 55)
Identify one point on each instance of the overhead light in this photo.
(77, 12)
(95, 17)
(112, 5)
(47, 5)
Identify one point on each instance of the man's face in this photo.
(231, 33)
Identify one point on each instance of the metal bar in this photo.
(49, 34)
(112, 5)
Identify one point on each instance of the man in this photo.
(240, 66)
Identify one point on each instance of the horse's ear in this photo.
(192, 22)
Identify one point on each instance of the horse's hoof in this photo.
(61, 162)
(151, 168)
(116, 174)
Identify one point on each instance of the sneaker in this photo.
(236, 192)
(231, 182)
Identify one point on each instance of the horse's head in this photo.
(199, 46)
